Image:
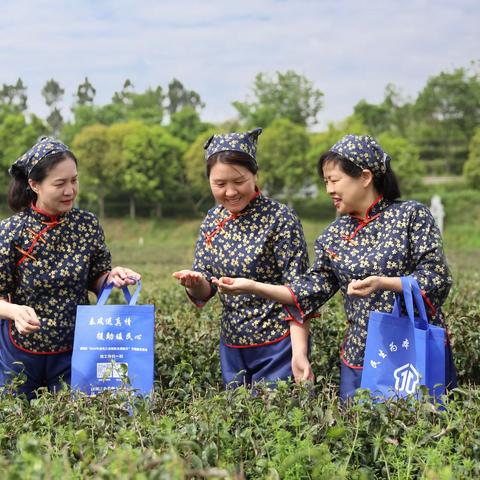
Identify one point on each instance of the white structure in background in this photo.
(438, 211)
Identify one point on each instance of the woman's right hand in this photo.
(302, 369)
(25, 318)
(189, 278)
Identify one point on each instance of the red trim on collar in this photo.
(233, 216)
(53, 218)
(370, 208)
(209, 236)
(364, 221)
(49, 225)
(377, 200)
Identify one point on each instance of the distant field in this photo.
(157, 248)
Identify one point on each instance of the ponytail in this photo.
(387, 184)
(20, 195)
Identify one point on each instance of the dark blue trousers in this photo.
(38, 370)
(350, 378)
(245, 366)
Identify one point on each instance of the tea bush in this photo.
(192, 428)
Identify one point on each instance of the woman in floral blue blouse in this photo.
(364, 253)
(51, 254)
(248, 234)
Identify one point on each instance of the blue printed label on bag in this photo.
(113, 347)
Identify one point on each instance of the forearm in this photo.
(299, 335)
(277, 293)
(391, 283)
(6, 310)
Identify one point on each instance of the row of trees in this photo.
(148, 146)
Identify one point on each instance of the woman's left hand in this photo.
(121, 276)
(365, 287)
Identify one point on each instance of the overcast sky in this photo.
(350, 49)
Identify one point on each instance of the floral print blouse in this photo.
(395, 239)
(49, 263)
(264, 242)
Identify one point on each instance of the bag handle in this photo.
(409, 286)
(411, 294)
(417, 295)
(131, 299)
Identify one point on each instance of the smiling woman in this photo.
(248, 234)
(376, 240)
(51, 254)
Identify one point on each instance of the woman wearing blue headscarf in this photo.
(249, 234)
(51, 255)
(364, 253)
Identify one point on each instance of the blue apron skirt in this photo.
(246, 366)
(38, 370)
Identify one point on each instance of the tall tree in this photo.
(282, 153)
(447, 112)
(153, 169)
(91, 146)
(195, 168)
(393, 115)
(285, 95)
(186, 125)
(53, 94)
(17, 135)
(14, 97)
(179, 97)
(471, 168)
(85, 93)
(130, 105)
(117, 132)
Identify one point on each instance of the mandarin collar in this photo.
(45, 217)
(375, 209)
(251, 204)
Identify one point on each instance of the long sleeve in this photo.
(202, 263)
(290, 248)
(7, 258)
(312, 289)
(431, 269)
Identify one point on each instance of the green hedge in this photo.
(193, 429)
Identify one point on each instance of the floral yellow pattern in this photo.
(264, 242)
(396, 239)
(55, 275)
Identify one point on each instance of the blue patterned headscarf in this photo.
(364, 152)
(44, 147)
(245, 142)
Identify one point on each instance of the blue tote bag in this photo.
(113, 342)
(404, 352)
